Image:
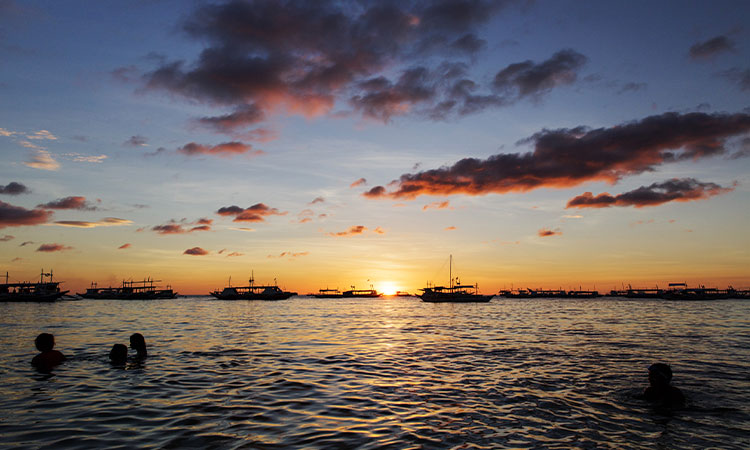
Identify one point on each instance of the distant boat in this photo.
(361, 293)
(328, 293)
(43, 291)
(401, 294)
(252, 292)
(453, 293)
(130, 290)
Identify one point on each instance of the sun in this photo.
(387, 288)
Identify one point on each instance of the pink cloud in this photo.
(195, 251)
(53, 248)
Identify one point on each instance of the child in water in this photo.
(48, 357)
(660, 391)
(138, 343)
(119, 354)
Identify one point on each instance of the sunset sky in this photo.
(330, 144)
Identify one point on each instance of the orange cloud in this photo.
(545, 232)
(437, 205)
(123, 246)
(256, 213)
(225, 149)
(352, 231)
(359, 182)
(69, 203)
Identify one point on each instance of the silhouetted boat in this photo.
(130, 290)
(328, 293)
(43, 291)
(454, 293)
(680, 291)
(402, 294)
(361, 293)
(252, 292)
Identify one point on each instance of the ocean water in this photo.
(377, 373)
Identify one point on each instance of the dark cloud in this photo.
(674, 190)
(632, 87)
(266, 57)
(25, 243)
(69, 203)
(195, 251)
(256, 213)
(225, 149)
(6, 238)
(53, 248)
(569, 157)
(16, 216)
(136, 141)
(13, 188)
(546, 232)
(320, 199)
(534, 79)
(712, 47)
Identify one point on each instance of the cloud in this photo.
(632, 87)
(53, 248)
(546, 232)
(232, 254)
(13, 188)
(317, 200)
(77, 157)
(69, 203)
(225, 149)
(378, 230)
(136, 141)
(289, 255)
(529, 79)
(569, 157)
(262, 58)
(674, 190)
(183, 227)
(123, 246)
(195, 251)
(352, 231)
(42, 135)
(739, 76)
(451, 228)
(711, 48)
(256, 213)
(43, 160)
(360, 182)
(25, 243)
(106, 222)
(437, 205)
(16, 216)
(6, 238)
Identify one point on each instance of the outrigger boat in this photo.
(252, 292)
(328, 293)
(453, 293)
(130, 290)
(43, 291)
(361, 293)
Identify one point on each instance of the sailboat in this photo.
(453, 293)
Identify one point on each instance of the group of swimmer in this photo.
(49, 357)
(659, 392)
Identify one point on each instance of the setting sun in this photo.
(387, 288)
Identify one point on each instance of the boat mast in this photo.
(450, 271)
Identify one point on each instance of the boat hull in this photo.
(254, 296)
(40, 298)
(455, 298)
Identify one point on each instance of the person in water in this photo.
(119, 354)
(48, 357)
(138, 343)
(660, 390)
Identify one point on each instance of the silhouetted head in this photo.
(138, 343)
(659, 374)
(119, 353)
(44, 342)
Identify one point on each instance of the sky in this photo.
(324, 144)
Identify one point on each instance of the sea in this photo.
(388, 373)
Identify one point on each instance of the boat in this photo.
(453, 293)
(680, 291)
(361, 293)
(252, 292)
(328, 293)
(43, 291)
(130, 290)
(402, 294)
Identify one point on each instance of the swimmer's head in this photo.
(137, 342)
(119, 353)
(659, 373)
(44, 342)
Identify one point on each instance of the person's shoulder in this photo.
(58, 356)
